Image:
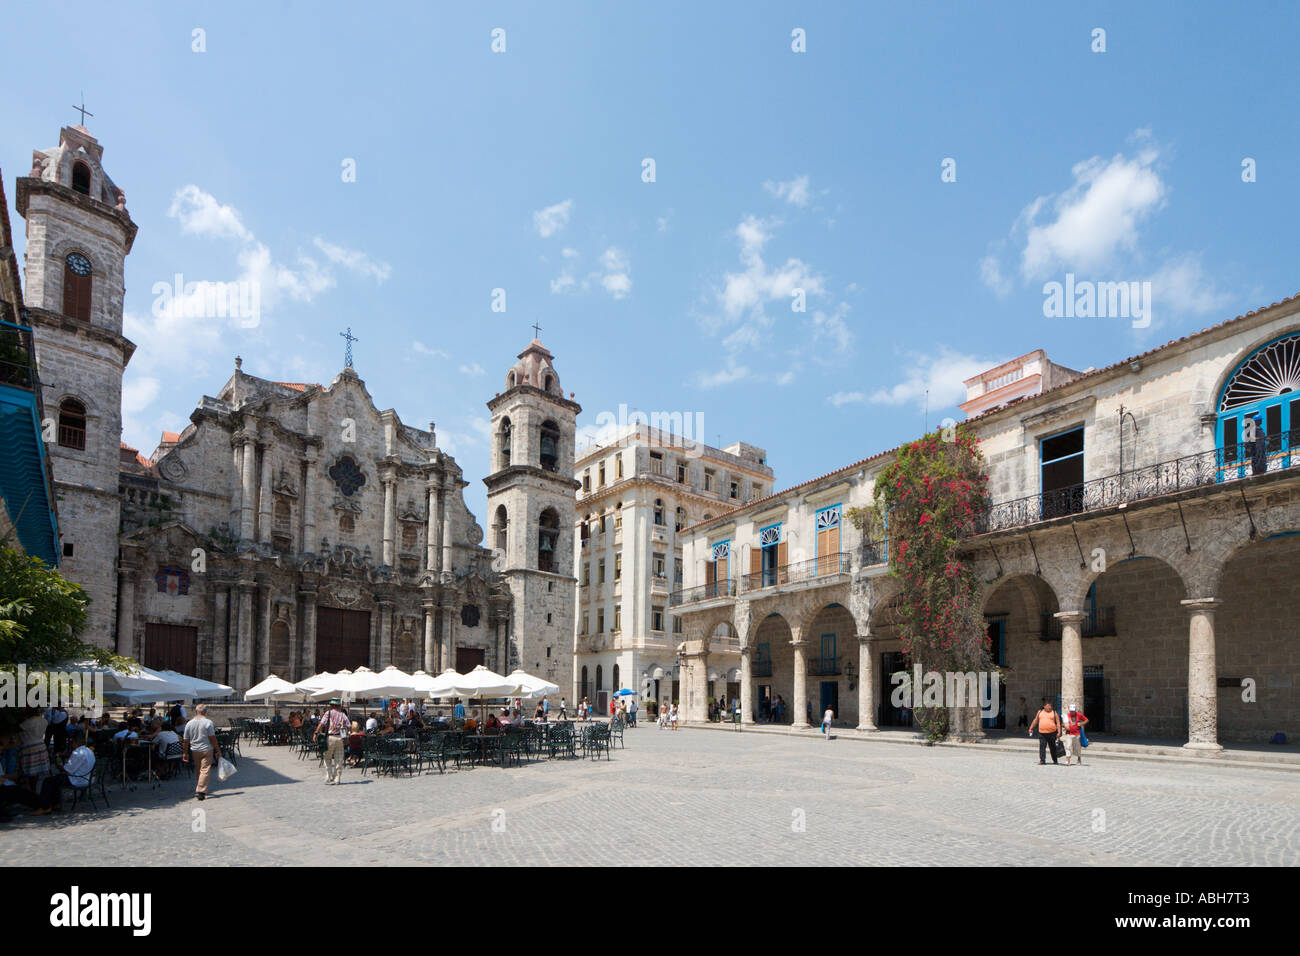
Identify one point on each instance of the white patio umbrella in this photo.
(201, 689)
(535, 686)
(443, 685)
(127, 679)
(483, 683)
(364, 684)
(422, 682)
(268, 689)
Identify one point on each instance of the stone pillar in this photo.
(503, 651)
(390, 518)
(694, 707)
(430, 648)
(1202, 677)
(264, 499)
(242, 669)
(866, 683)
(431, 532)
(385, 656)
(448, 637)
(800, 649)
(264, 632)
(308, 541)
(746, 685)
(220, 630)
(1071, 658)
(307, 643)
(447, 562)
(127, 645)
(237, 486)
(246, 514)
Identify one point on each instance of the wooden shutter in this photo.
(710, 572)
(76, 295)
(755, 562)
(782, 559)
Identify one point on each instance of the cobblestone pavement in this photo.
(695, 797)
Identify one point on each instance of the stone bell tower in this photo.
(78, 236)
(530, 512)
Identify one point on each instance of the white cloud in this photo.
(200, 214)
(840, 399)
(941, 374)
(472, 369)
(616, 280)
(662, 222)
(354, 260)
(1180, 286)
(569, 253)
(831, 329)
(795, 192)
(563, 283)
(748, 291)
(425, 350)
(728, 376)
(552, 219)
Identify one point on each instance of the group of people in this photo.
(52, 750)
(1051, 726)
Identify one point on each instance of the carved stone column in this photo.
(264, 498)
(431, 545)
(1202, 677)
(390, 517)
(127, 643)
(384, 607)
(242, 668)
(307, 542)
(800, 649)
(307, 633)
(695, 681)
(866, 684)
(746, 684)
(263, 657)
(220, 630)
(1071, 658)
(430, 647)
(247, 516)
(448, 636)
(448, 563)
(236, 485)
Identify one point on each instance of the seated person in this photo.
(372, 724)
(276, 718)
(352, 744)
(126, 732)
(75, 773)
(388, 727)
(493, 725)
(295, 720)
(539, 713)
(506, 720)
(168, 749)
(471, 725)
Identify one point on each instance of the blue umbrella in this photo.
(625, 692)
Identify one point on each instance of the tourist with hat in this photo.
(335, 727)
(1074, 723)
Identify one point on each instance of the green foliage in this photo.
(41, 615)
(933, 493)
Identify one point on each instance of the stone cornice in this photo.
(502, 398)
(506, 475)
(45, 318)
(29, 186)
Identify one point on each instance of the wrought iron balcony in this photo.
(821, 567)
(17, 361)
(875, 553)
(705, 592)
(1216, 466)
(1098, 622)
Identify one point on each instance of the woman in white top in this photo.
(672, 717)
(826, 722)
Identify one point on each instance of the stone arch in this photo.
(1077, 595)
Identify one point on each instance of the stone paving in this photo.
(695, 798)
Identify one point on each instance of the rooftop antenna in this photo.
(926, 427)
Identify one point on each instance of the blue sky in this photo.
(774, 171)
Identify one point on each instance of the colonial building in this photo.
(635, 496)
(1138, 559)
(291, 527)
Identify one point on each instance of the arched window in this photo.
(81, 178)
(546, 383)
(550, 456)
(585, 690)
(548, 536)
(659, 511)
(616, 685)
(501, 527)
(1259, 409)
(512, 380)
(76, 286)
(72, 424)
(281, 520)
(505, 440)
(681, 519)
(600, 678)
(585, 530)
(347, 524)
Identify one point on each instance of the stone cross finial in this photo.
(82, 109)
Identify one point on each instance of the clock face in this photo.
(79, 264)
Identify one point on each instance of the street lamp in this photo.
(848, 672)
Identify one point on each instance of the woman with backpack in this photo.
(1048, 726)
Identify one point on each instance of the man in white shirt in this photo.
(76, 773)
(372, 724)
(200, 740)
(403, 709)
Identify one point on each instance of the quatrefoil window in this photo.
(347, 477)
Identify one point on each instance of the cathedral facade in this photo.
(291, 527)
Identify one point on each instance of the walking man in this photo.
(826, 723)
(564, 710)
(200, 739)
(334, 726)
(546, 708)
(1074, 722)
(631, 713)
(1047, 725)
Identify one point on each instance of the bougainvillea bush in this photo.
(927, 500)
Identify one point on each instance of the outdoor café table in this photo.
(135, 745)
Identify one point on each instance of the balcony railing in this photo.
(760, 669)
(821, 567)
(1099, 622)
(17, 366)
(824, 667)
(705, 592)
(874, 553)
(1243, 460)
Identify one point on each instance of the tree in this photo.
(42, 614)
(928, 499)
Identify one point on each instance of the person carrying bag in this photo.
(1048, 725)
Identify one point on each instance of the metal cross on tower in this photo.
(350, 339)
(537, 330)
(82, 109)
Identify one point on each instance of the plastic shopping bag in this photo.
(225, 769)
(1083, 738)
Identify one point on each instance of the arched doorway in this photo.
(772, 668)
